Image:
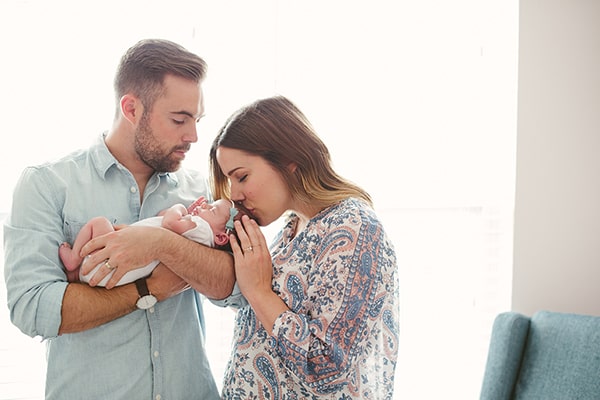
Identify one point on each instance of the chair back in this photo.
(548, 356)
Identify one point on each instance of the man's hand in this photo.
(125, 249)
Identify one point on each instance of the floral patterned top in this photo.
(340, 338)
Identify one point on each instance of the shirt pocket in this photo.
(71, 228)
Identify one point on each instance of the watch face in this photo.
(146, 302)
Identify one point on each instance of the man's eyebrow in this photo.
(187, 113)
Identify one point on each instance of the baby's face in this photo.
(215, 213)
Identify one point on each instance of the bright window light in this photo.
(415, 99)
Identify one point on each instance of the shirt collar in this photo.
(101, 157)
(103, 160)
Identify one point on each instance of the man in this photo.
(121, 343)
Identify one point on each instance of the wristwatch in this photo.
(146, 300)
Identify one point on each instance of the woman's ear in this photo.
(221, 239)
(292, 167)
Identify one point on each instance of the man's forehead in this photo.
(183, 96)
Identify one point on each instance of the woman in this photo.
(322, 319)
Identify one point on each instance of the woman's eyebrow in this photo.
(232, 171)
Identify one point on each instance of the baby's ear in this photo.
(221, 239)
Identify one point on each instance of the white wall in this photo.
(557, 208)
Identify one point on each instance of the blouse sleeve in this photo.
(338, 317)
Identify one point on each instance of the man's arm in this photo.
(40, 300)
(207, 270)
(85, 307)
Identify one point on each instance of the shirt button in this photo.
(133, 189)
(151, 310)
(156, 354)
(158, 397)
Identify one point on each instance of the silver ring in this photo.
(249, 248)
(108, 266)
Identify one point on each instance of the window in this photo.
(416, 101)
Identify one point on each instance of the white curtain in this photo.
(416, 101)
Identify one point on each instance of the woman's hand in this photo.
(125, 249)
(253, 265)
(254, 272)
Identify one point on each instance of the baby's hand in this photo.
(198, 203)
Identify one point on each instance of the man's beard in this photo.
(150, 152)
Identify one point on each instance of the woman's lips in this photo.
(245, 210)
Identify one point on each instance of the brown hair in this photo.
(143, 67)
(276, 130)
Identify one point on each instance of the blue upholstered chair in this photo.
(548, 356)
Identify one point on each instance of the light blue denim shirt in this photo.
(153, 354)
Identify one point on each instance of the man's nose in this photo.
(192, 135)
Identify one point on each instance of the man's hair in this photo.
(143, 67)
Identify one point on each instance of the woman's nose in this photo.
(236, 195)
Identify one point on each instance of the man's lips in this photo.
(181, 152)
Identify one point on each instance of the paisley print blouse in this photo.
(340, 338)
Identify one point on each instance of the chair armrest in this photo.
(507, 343)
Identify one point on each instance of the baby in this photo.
(203, 222)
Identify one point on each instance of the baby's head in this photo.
(220, 215)
(236, 212)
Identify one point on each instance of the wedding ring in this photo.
(249, 248)
(108, 266)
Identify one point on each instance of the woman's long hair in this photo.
(276, 130)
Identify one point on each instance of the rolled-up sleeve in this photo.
(234, 300)
(35, 280)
